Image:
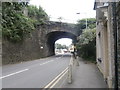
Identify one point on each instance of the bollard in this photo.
(70, 74)
(77, 61)
(73, 61)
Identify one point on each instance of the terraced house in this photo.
(108, 40)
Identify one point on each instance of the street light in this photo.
(85, 19)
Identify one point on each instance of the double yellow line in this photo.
(56, 79)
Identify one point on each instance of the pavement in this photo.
(86, 75)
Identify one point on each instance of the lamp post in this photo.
(85, 19)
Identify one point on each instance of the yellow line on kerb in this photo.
(58, 78)
(52, 82)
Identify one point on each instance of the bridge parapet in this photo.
(60, 26)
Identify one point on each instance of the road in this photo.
(34, 74)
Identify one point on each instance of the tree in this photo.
(81, 24)
(37, 14)
(87, 44)
(14, 23)
(91, 23)
(59, 46)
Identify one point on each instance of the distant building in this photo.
(71, 48)
(108, 41)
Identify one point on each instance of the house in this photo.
(108, 40)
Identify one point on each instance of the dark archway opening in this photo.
(53, 36)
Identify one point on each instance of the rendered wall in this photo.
(118, 46)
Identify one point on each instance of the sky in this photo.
(67, 9)
(64, 41)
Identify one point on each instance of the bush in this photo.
(86, 45)
(14, 23)
(37, 14)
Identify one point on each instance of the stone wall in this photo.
(59, 26)
(34, 46)
(28, 49)
(118, 24)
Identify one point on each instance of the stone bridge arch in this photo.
(53, 31)
(53, 36)
(40, 43)
(63, 27)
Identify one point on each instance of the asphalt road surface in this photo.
(34, 74)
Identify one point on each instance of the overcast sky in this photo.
(64, 41)
(67, 9)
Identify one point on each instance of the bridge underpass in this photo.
(52, 37)
(40, 43)
(39, 73)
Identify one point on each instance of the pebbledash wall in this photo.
(105, 41)
(118, 41)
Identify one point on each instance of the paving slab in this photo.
(86, 75)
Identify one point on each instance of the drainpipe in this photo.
(115, 44)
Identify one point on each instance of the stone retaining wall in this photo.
(118, 24)
(28, 49)
(34, 46)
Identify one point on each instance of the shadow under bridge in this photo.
(52, 37)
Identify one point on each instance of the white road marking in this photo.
(14, 73)
(46, 62)
(59, 57)
(25, 69)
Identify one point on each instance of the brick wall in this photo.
(118, 24)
